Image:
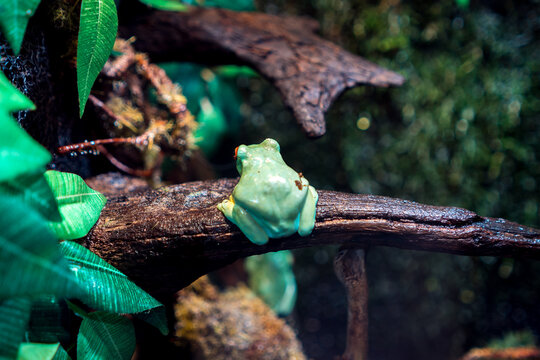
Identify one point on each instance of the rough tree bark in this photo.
(350, 268)
(164, 239)
(310, 72)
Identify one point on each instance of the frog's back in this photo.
(274, 200)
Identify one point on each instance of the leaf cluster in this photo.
(37, 272)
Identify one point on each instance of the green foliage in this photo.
(11, 99)
(30, 263)
(14, 315)
(237, 5)
(79, 205)
(97, 32)
(19, 153)
(105, 287)
(169, 5)
(271, 277)
(14, 16)
(61, 354)
(459, 119)
(35, 351)
(105, 336)
(34, 190)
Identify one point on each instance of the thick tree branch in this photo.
(166, 238)
(310, 72)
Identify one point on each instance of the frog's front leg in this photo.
(307, 216)
(241, 218)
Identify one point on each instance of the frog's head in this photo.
(268, 150)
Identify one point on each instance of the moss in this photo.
(234, 324)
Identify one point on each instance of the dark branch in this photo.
(309, 71)
(166, 238)
(350, 268)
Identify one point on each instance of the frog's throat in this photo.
(231, 199)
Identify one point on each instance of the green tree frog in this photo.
(271, 200)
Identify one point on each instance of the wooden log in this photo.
(310, 72)
(164, 239)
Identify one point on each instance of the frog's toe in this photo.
(226, 207)
(259, 238)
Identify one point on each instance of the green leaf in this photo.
(30, 263)
(19, 153)
(168, 5)
(97, 32)
(61, 354)
(271, 277)
(34, 190)
(14, 16)
(36, 351)
(79, 205)
(11, 99)
(105, 336)
(14, 315)
(105, 288)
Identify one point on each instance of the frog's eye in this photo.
(240, 152)
(271, 143)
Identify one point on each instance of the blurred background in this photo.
(464, 130)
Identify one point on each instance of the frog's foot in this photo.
(307, 216)
(253, 231)
(226, 207)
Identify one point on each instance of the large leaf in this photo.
(19, 153)
(104, 335)
(36, 351)
(79, 205)
(34, 190)
(30, 263)
(170, 5)
(104, 286)
(97, 32)
(14, 315)
(14, 16)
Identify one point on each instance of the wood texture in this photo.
(164, 239)
(310, 72)
(350, 268)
